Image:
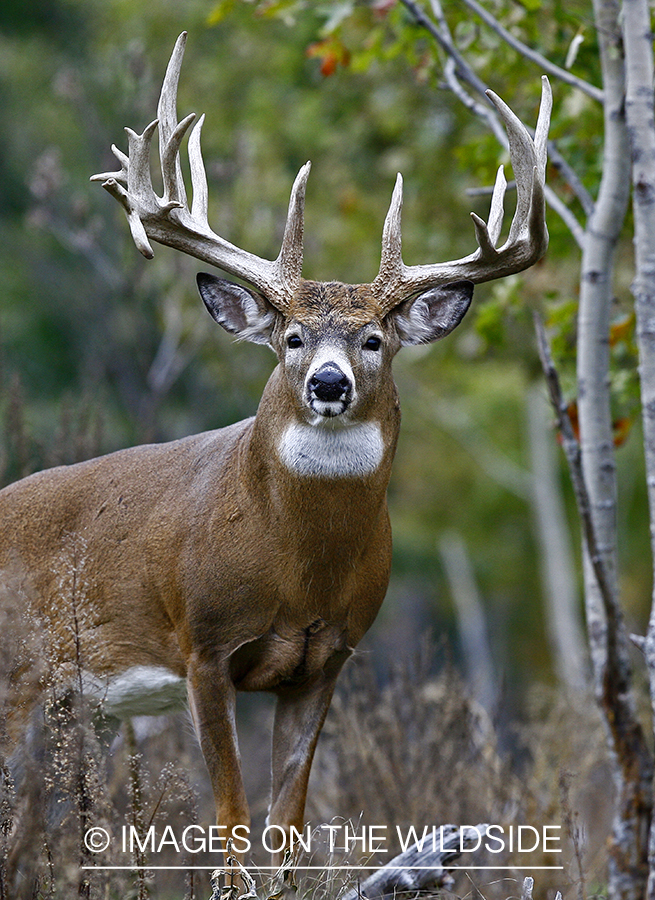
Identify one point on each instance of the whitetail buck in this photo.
(255, 557)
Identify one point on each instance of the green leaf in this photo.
(531, 5)
(219, 11)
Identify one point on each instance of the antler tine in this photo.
(137, 161)
(528, 237)
(119, 176)
(135, 176)
(523, 158)
(171, 170)
(138, 232)
(200, 207)
(391, 263)
(169, 145)
(168, 220)
(497, 210)
(543, 123)
(291, 253)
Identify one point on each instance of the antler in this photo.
(169, 221)
(528, 236)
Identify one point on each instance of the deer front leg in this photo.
(212, 698)
(299, 717)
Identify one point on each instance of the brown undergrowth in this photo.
(405, 749)
(415, 750)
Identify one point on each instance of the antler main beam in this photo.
(528, 236)
(168, 219)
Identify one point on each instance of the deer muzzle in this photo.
(330, 390)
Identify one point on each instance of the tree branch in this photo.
(419, 867)
(456, 68)
(533, 55)
(634, 768)
(488, 115)
(443, 36)
(640, 112)
(573, 455)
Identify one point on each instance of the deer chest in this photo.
(286, 656)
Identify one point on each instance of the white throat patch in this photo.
(327, 452)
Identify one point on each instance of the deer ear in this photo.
(432, 314)
(237, 309)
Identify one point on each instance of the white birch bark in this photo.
(627, 864)
(594, 465)
(596, 292)
(471, 621)
(638, 41)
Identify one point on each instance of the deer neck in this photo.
(311, 467)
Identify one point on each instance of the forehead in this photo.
(346, 307)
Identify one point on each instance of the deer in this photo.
(254, 557)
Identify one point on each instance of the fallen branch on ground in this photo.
(419, 867)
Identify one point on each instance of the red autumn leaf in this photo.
(620, 427)
(622, 331)
(331, 52)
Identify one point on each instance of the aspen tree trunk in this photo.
(628, 853)
(596, 292)
(638, 42)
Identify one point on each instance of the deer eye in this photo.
(373, 343)
(294, 341)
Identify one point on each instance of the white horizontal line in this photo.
(329, 868)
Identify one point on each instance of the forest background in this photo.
(100, 349)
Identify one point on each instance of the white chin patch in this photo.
(349, 452)
(329, 409)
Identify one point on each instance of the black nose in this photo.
(329, 383)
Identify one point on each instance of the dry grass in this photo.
(77, 434)
(417, 750)
(412, 750)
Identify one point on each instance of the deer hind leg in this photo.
(299, 717)
(212, 699)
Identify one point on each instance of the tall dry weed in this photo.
(405, 748)
(412, 748)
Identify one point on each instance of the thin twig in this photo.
(481, 110)
(533, 55)
(489, 116)
(571, 448)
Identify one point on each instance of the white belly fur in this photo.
(139, 691)
(323, 452)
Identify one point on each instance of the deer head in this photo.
(403, 305)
